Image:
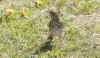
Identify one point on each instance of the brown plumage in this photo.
(55, 25)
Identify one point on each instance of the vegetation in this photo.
(23, 27)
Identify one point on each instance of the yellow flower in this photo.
(39, 2)
(10, 10)
(24, 13)
(79, 5)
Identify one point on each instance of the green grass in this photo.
(24, 28)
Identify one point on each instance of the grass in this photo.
(23, 27)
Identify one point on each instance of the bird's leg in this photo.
(61, 39)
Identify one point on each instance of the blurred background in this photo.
(23, 27)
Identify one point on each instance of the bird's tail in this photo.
(50, 38)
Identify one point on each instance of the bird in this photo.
(55, 25)
(55, 29)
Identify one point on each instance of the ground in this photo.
(23, 28)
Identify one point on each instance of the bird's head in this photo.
(54, 15)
